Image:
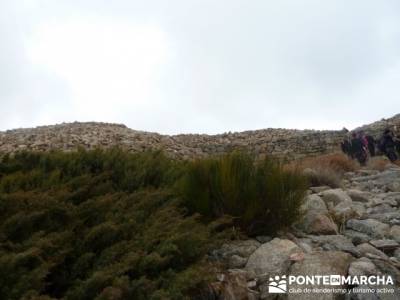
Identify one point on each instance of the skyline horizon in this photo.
(199, 66)
(200, 133)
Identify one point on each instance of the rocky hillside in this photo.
(351, 231)
(287, 143)
(378, 127)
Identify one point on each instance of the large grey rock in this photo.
(357, 237)
(336, 243)
(317, 223)
(359, 196)
(321, 263)
(314, 203)
(334, 196)
(305, 244)
(392, 197)
(363, 267)
(370, 227)
(348, 210)
(380, 209)
(394, 186)
(359, 209)
(380, 179)
(384, 244)
(366, 249)
(391, 218)
(315, 218)
(380, 199)
(272, 257)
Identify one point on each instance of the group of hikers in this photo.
(361, 146)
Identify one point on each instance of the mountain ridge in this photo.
(284, 143)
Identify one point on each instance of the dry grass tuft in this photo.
(337, 162)
(326, 169)
(378, 163)
(323, 176)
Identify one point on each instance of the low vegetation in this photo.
(115, 225)
(337, 162)
(262, 197)
(378, 163)
(326, 169)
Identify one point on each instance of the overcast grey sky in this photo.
(204, 66)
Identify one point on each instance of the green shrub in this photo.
(107, 224)
(97, 225)
(262, 197)
(125, 171)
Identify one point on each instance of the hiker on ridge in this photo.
(388, 145)
(346, 147)
(397, 142)
(364, 141)
(371, 144)
(358, 149)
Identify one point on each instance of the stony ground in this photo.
(285, 143)
(354, 230)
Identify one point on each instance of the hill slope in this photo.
(287, 143)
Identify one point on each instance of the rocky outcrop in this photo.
(67, 137)
(376, 128)
(366, 244)
(316, 218)
(283, 143)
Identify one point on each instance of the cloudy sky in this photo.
(202, 66)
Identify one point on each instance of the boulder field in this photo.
(353, 230)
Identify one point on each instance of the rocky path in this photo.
(352, 231)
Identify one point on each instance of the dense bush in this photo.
(124, 171)
(262, 197)
(97, 225)
(110, 224)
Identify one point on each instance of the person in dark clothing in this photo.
(371, 144)
(388, 145)
(357, 147)
(397, 142)
(346, 147)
